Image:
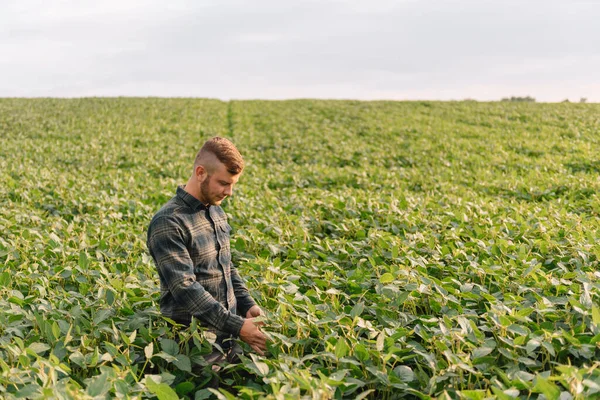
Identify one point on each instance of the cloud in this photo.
(258, 38)
(250, 49)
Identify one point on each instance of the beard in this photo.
(205, 193)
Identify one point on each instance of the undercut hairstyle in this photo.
(225, 151)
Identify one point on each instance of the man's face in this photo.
(216, 187)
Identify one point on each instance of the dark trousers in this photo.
(231, 355)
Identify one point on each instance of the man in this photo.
(189, 241)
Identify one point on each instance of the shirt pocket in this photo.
(226, 228)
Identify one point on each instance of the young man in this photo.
(189, 241)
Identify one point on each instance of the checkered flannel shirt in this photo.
(189, 243)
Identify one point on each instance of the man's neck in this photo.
(192, 188)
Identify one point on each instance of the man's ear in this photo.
(200, 173)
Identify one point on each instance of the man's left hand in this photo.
(253, 312)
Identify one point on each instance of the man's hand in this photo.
(253, 336)
(254, 311)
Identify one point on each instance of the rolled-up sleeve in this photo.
(167, 245)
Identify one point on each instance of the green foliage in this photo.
(400, 249)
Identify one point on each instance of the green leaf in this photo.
(5, 279)
(102, 315)
(92, 358)
(39, 348)
(110, 297)
(98, 385)
(260, 367)
(121, 387)
(508, 394)
(78, 358)
(532, 345)
(59, 350)
(472, 394)
(547, 388)
(161, 390)
(394, 251)
(169, 346)
(482, 351)
(56, 330)
(203, 394)
(357, 309)
(183, 363)
(596, 315)
(361, 352)
(518, 329)
(29, 391)
(405, 373)
(184, 388)
(386, 278)
(341, 348)
(549, 348)
(165, 356)
(83, 261)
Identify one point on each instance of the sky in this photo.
(331, 49)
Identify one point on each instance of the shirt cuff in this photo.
(233, 324)
(244, 304)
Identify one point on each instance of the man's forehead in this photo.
(222, 173)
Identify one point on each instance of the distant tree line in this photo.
(529, 99)
(581, 100)
(526, 99)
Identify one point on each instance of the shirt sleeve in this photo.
(242, 296)
(166, 243)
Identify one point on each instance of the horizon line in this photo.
(501, 100)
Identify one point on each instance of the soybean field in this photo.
(410, 250)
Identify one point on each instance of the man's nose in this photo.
(228, 191)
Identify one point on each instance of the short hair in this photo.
(225, 151)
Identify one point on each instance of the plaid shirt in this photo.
(189, 243)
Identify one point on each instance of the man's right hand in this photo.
(253, 336)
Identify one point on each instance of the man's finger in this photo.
(260, 345)
(258, 350)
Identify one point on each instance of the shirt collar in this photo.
(190, 200)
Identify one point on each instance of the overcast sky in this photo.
(358, 49)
